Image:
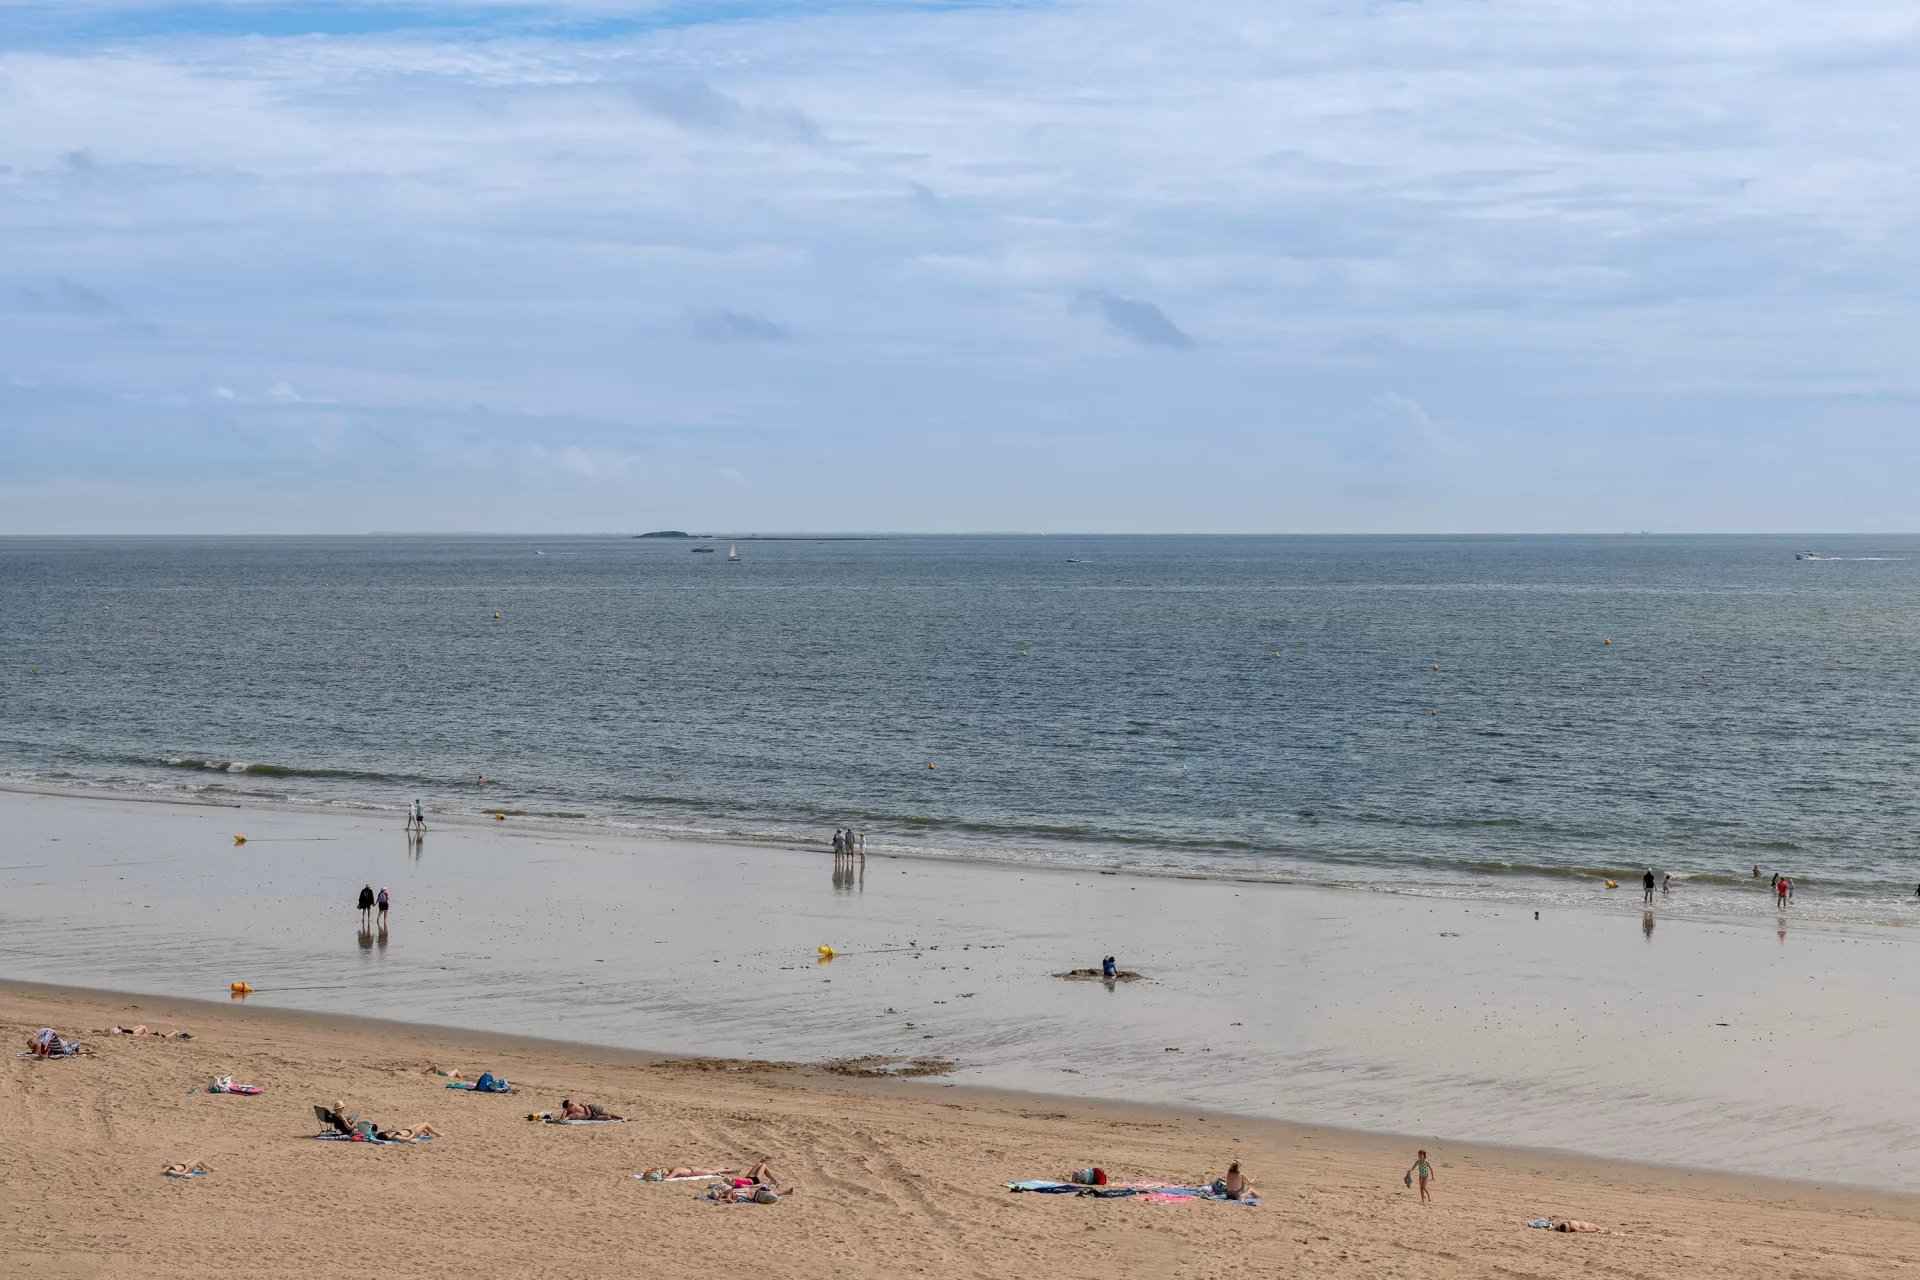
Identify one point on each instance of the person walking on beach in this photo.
(1666, 883)
(1647, 880)
(383, 902)
(366, 908)
(1424, 1171)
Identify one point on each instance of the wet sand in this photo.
(1690, 1043)
(894, 1177)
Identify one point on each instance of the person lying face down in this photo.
(571, 1110)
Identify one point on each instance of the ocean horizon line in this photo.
(899, 534)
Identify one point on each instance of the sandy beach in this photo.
(893, 1177)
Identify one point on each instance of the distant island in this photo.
(665, 533)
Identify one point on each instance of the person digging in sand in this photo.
(1424, 1170)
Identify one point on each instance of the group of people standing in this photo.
(849, 843)
(1783, 886)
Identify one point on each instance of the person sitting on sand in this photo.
(1109, 968)
(571, 1110)
(1235, 1185)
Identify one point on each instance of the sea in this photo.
(1501, 718)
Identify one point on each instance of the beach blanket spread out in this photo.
(1153, 1192)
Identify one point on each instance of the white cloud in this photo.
(1521, 221)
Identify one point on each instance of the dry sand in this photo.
(895, 1176)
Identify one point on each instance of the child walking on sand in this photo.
(1424, 1171)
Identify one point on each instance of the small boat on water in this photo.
(703, 551)
(733, 553)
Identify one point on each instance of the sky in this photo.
(953, 265)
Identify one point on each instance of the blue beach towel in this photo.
(1046, 1186)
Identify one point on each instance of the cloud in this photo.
(1580, 255)
(1134, 319)
(64, 297)
(699, 107)
(735, 326)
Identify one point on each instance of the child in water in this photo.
(1424, 1170)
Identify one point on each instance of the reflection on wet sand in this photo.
(849, 873)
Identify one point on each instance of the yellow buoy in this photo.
(826, 952)
(1613, 884)
(929, 764)
(239, 840)
(496, 615)
(499, 817)
(240, 988)
(1608, 642)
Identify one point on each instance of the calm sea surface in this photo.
(1439, 715)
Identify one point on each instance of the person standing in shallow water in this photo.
(1647, 880)
(383, 901)
(366, 908)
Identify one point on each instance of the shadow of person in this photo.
(1646, 924)
(366, 939)
(380, 938)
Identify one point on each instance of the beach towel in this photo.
(225, 1084)
(1541, 1224)
(653, 1175)
(1046, 1186)
(563, 1120)
(1187, 1195)
(487, 1083)
(366, 1135)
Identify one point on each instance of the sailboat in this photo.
(733, 553)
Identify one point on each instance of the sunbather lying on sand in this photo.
(761, 1194)
(571, 1110)
(681, 1171)
(142, 1029)
(409, 1133)
(340, 1120)
(48, 1043)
